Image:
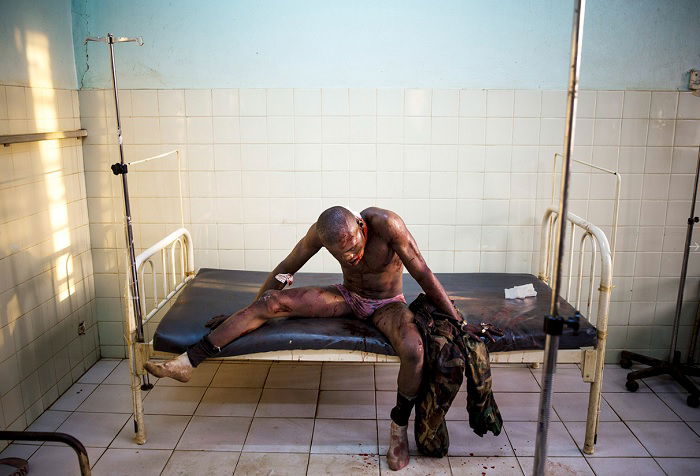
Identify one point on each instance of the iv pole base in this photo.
(678, 371)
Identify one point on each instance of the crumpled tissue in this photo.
(520, 292)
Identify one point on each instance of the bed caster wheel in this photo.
(632, 385)
(625, 363)
(693, 401)
(147, 386)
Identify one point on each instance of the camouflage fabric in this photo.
(449, 354)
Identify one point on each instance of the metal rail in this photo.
(80, 451)
(6, 140)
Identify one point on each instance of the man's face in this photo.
(351, 247)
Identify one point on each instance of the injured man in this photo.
(372, 248)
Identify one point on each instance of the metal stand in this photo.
(121, 168)
(83, 460)
(554, 324)
(672, 365)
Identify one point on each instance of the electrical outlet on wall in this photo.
(694, 82)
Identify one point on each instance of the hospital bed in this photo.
(174, 301)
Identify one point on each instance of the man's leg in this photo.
(307, 301)
(395, 321)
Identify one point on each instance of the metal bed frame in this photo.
(170, 264)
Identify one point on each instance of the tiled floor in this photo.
(312, 418)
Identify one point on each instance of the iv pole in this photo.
(121, 168)
(554, 323)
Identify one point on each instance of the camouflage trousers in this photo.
(450, 355)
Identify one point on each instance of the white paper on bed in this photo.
(520, 292)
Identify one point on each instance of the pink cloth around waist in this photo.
(364, 307)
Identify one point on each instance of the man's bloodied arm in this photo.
(302, 252)
(405, 246)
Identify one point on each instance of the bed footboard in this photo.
(171, 265)
(579, 273)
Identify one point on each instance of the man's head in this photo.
(343, 233)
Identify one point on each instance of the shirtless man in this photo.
(372, 249)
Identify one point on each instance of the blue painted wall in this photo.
(46, 25)
(640, 44)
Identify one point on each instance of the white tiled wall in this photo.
(46, 283)
(469, 171)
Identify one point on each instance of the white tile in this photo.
(688, 106)
(417, 102)
(307, 102)
(498, 158)
(173, 130)
(444, 130)
(443, 185)
(499, 103)
(687, 133)
(308, 157)
(499, 130)
(417, 130)
(472, 131)
(307, 129)
(280, 102)
(197, 102)
(280, 129)
(362, 102)
(472, 103)
(390, 102)
(363, 129)
(663, 105)
(526, 131)
(335, 102)
(445, 102)
(199, 130)
(634, 132)
(253, 129)
(609, 104)
(606, 132)
(17, 103)
(553, 103)
(658, 160)
(684, 160)
(551, 131)
(636, 104)
(527, 103)
(585, 106)
(225, 130)
(389, 129)
(224, 102)
(661, 132)
(252, 102)
(496, 185)
(144, 102)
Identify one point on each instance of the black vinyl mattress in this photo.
(479, 296)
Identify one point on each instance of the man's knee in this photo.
(274, 302)
(411, 349)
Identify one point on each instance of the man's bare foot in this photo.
(178, 368)
(397, 456)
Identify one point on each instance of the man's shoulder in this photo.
(383, 221)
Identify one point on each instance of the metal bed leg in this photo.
(596, 389)
(139, 423)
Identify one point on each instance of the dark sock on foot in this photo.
(201, 351)
(402, 411)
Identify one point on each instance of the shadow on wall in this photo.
(45, 261)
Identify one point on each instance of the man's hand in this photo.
(285, 278)
(482, 330)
